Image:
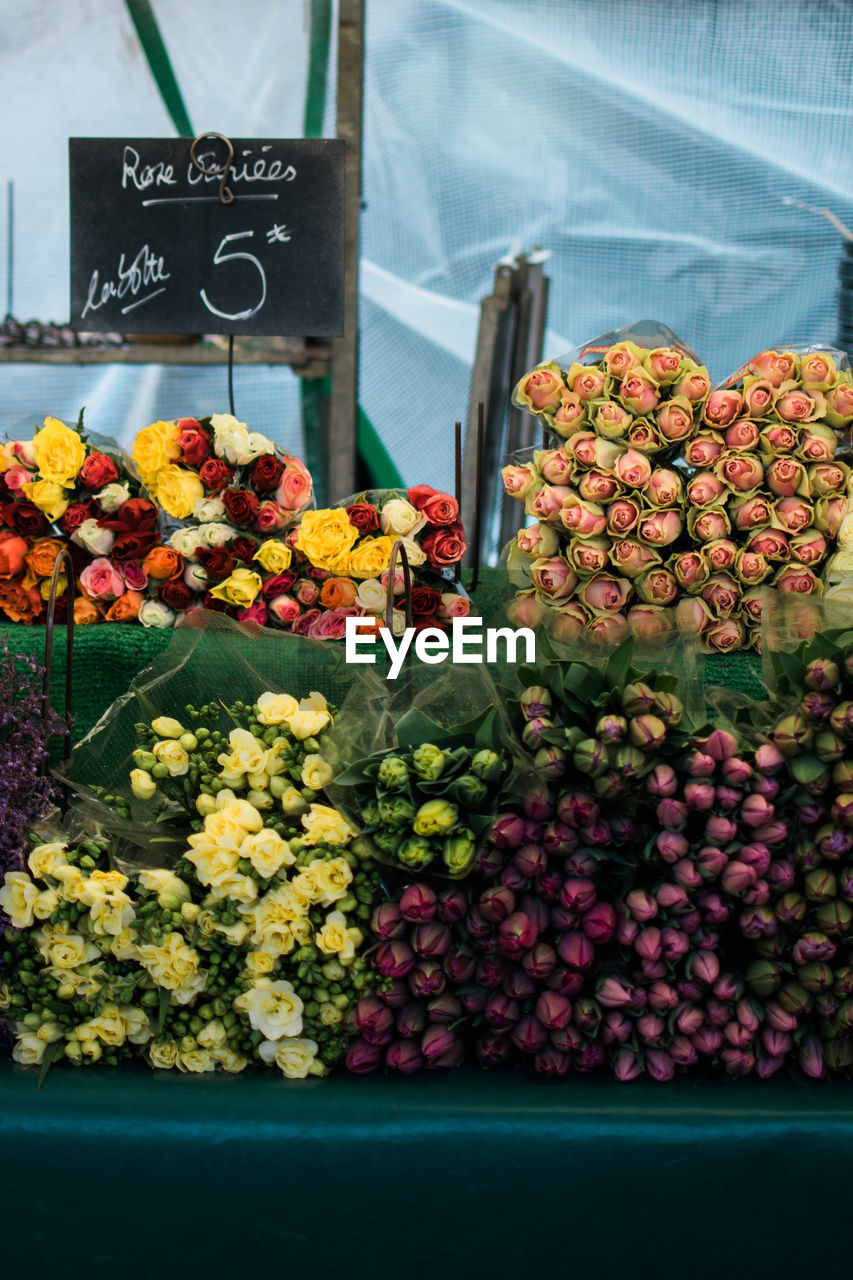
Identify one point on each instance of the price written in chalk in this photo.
(154, 248)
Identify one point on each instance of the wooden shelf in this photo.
(307, 359)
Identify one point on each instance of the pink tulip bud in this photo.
(551, 1062)
(707, 1041)
(674, 943)
(427, 979)
(418, 903)
(436, 1041)
(548, 886)
(431, 940)
(779, 1019)
(496, 903)
(757, 856)
(493, 1050)
(387, 921)
(394, 959)
(648, 945)
(651, 1027)
(405, 1056)
(599, 923)
(755, 811)
(711, 862)
(662, 781)
(452, 905)
(517, 934)
(701, 765)
(687, 874)
(374, 1021)
(363, 1058)
(530, 861)
(810, 1057)
(508, 831)
(662, 997)
(776, 833)
(689, 1019)
(411, 1020)
(728, 798)
(703, 966)
(627, 929)
(654, 969)
(512, 879)
(576, 950)
(642, 905)
(559, 839)
(626, 1066)
(699, 795)
(659, 1065)
(576, 808)
(768, 758)
(671, 814)
(539, 961)
(671, 845)
(690, 921)
(616, 1028)
(528, 1035)
(553, 1010)
(713, 909)
(735, 771)
(767, 787)
(490, 972)
(613, 993)
(578, 894)
(671, 897)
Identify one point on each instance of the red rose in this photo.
(195, 443)
(421, 623)
(215, 474)
(243, 549)
(25, 518)
(76, 514)
(218, 562)
(176, 594)
(242, 507)
(97, 471)
(444, 546)
(425, 600)
(278, 585)
(137, 515)
(364, 516)
(266, 472)
(134, 545)
(217, 606)
(439, 508)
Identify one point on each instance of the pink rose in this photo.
(663, 363)
(538, 540)
(664, 488)
(553, 577)
(517, 480)
(740, 471)
(604, 594)
(721, 554)
(826, 478)
(785, 476)
(582, 447)
(692, 614)
(753, 605)
(294, 487)
(16, 478)
(588, 555)
(643, 436)
(596, 486)
(271, 517)
(101, 580)
(749, 513)
(566, 622)
(829, 512)
(622, 515)
(710, 525)
(722, 593)
(771, 543)
(675, 419)
(570, 413)
(723, 407)
(555, 466)
(611, 419)
(526, 610)
(542, 388)
(818, 443)
(818, 370)
(751, 567)
(725, 636)
(758, 398)
(633, 468)
(620, 359)
(657, 586)
(775, 366)
(588, 383)
(631, 558)
(256, 612)
(742, 434)
(453, 606)
(779, 439)
(650, 622)
(586, 519)
(797, 578)
(134, 577)
(548, 501)
(307, 592)
(331, 625)
(399, 584)
(701, 451)
(284, 609)
(809, 548)
(799, 405)
(660, 528)
(695, 386)
(638, 393)
(704, 489)
(608, 628)
(690, 569)
(839, 403)
(794, 514)
(305, 622)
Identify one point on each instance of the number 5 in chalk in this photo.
(219, 257)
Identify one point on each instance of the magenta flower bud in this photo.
(689, 1019)
(446, 1008)
(737, 877)
(597, 833)
(530, 861)
(477, 925)
(539, 961)
(435, 1041)
(779, 1019)
(459, 964)
(728, 798)
(387, 922)
(651, 1027)
(704, 967)
(756, 811)
(566, 981)
(736, 772)
(711, 862)
(580, 863)
(639, 999)
(418, 903)
(394, 959)
(404, 1056)
(551, 1062)
(490, 862)
(768, 758)
(431, 940)
(671, 814)
(688, 874)
(374, 1020)
(642, 905)
(616, 1028)
(613, 993)
(662, 997)
(767, 787)
(777, 1043)
(648, 945)
(362, 1058)
(411, 1020)
(767, 1066)
(395, 993)
(674, 943)
(452, 1058)
(490, 972)
(493, 1050)
(496, 904)
(553, 1010)
(589, 1057)
(548, 886)
(813, 946)
(662, 781)
(426, 979)
(537, 910)
(713, 908)
(518, 985)
(563, 920)
(558, 839)
(659, 1065)
(473, 998)
(699, 795)
(627, 928)
(452, 906)
(508, 831)
(654, 969)
(587, 1015)
(576, 950)
(578, 894)
(720, 830)
(528, 1035)
(537, 804)
(810, 1057)
(599, 923)
(690, 921)
(627, 1066)
(671, 845)
(707, 1041)
(576, 808)
(512, 878)
(756, 856)
(683, 1052)
(622, 828)
(720, 745)
(738, 1062)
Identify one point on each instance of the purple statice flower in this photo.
(26, 793)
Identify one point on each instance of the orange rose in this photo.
(42, 556)
(85, 612)
(126, 607)
(338, 593)
(163, 563)
(20, 603)
(12, 553)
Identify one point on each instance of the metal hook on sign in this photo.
(226, 195)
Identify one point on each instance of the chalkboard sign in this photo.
(155, 250)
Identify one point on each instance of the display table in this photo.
(470, 1174)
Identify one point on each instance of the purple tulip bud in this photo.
(493, 1050)
(528, 1035)
(810, 1057)
(404, 1056)
(431, 940)
(821, 673)
(566, 981)
(813, 946)
(563, 920)
(707, 1041)
(530, 861)
(394, 993)
(590, 1057)
(490, 862)
(806, 855)
(767, 1066)
(533, 730)
(699, 795)
(626, 927)
(418, 903)
(537, 804)
(654, 969)
(816, 706)
(613, 993)
(688, 874)
(674, 943)
(767, 787)
(558, 839)
(387, 922)
(551, 1062)
(374, 1020)
(659, 1065)
(662, 781)
(650, 1027)
(703, 966)
(490, 972)
(459, 964)
(736, 772)
(411, 1020)
(539, 961)
(576, 950)
(473, 998)
(508, 831)
(626, 1066)
(690, 921)
(394, 959)
(426, 979)
(496, 904)
(599, 923)
(671, 845)
(577, 808)
(648, 945)
(738, 1062)
(548, 886)
(435, 1041)
(768, 758)
(758, 922)
(580, 863)
(550, 762)
(720, 830)
(578, 894)
(738, 1036)
(791, 908)
(616, 1028)
(518, 985)
(553, 1010)
(362, 1058)
(689, 1019)
(642, 905)
(512, 878)
(820, 885)
(662, 997)
(834, 843)
(683, 1052)
(611, 728)
(713, 909)
(444, 1008)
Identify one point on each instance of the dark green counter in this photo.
(472, 1175)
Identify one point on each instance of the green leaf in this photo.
(162, 1009)
(414, 728)
(51, 1053)
(618, 663)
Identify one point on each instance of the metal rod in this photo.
(10, 248)
(457, 455)
(70, 586)
(478, 495)
(231, 375)
(399, 550)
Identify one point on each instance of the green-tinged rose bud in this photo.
(834, 918)
(638, 698)
(822, 674)
(791, 908)
(415, 853)
(435, 817)
(428, 761)
(550, 762)
(629, 762)
(794, 998)
(166, 727)
(393, 773)
(841, 719)
(647, 732)
(142, 784)
(535, 701)
(812, 776)
(469, 791)
(608, 786)
(144, 759)
(459, 852)
(396, 812)
(763, 977)
(820, 885)
(842, 775)
(828, 747)
(590, 757)
(611, 728)
(669, 708)
(792, 735)
(487, 765)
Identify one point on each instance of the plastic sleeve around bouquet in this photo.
(789, 624)
(211, 660)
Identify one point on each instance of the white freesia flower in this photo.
(274, 1009)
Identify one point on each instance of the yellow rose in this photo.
(159, 880)
(323, 823)
(17, 898)
(316, 772)
(266, 851)
(59, 452)
(45, 857)
(154, 448)
(212, 862)
(369, 559)
(239, 589)
(49, 497)
(172, 755)
(240, 888)
(293, 802)
(177, 490)
(124, 945)
(274, 556)
(276, 708)
(296, 1058)
(168, 727)
(45, 904)
(332, 877)
(274, 1009)
(212, 1034)
(173, 964)
(108, 1026)
(325, 536)
(163, 1054)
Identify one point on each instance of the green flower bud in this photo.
(810, 773)
(838, 1054)
(647, 732)
(793, 735)
(415, 853)
(794, 998)
(821, 885)
(144, 759)
(590, 757)
(842, 775)
(834, 918)
(435, 817)
(638, 698)
(278, 786)
(763, 977)
(629, 762)
(393, 773)
(459, 852)
(396, 812)
(469, 791)
(428, 761)
(828, 747)
(387, 842)
(188, 741)
(487, 765)
(669, 708)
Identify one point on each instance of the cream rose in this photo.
(163, 1054)
(399, 517)
(173, 756)
(326, 825)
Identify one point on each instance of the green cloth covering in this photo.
(474, 1174)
